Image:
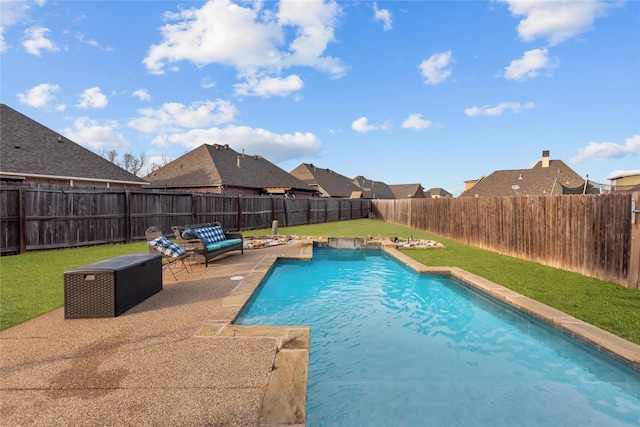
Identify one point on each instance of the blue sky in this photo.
(430, 92)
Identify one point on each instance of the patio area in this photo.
(173, 359)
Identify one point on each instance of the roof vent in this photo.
(226, 146)
(59, 140)
(216, 146)
(520, 177)
(238, 161)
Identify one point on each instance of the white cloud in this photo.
(415, 121)
(608, 150)
(362, 125)
(96, 135)
(92, 98)
(529, 65)
(142, 95)
(269, 86)
(35, 40)
(556, 20)
(12, 12)
(175, 117)
(39, 96)
(207, 83)
(436, 69)
(514, 107)
(382, 15)
(3, 45)
(251, 39)
(272, 146)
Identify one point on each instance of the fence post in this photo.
(239, 220)
(633, 281)
(22, 238)
(127, 216)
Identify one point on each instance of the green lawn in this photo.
(32, 284)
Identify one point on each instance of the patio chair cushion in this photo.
(189, 234)
(217, 245)
(166, 247)
(211, 234)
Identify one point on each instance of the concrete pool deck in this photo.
(172, 360)
(176, 360)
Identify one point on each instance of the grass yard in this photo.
(32, 284)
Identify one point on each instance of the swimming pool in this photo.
(393, 347)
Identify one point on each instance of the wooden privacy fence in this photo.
(48, 217)
(588, 234)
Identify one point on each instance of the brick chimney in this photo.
(545, 159)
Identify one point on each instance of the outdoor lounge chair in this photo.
(169, 250)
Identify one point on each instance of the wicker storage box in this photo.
(109, 288)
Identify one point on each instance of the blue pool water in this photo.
(391, 347)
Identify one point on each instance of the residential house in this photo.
(407, 191)
(32, 153)
(327, 182)
(219, 169)
(546, 177)
(437, 193)
(625, 182)
(373, 189)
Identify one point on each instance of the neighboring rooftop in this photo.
(30, 151)
(373, 189)
(218, 167)
(407, 191)
(326, 181)
(437, 193)
(547, 177)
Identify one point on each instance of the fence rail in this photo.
(588, 234)
(49, 217)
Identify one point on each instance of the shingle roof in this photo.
(407, 191)
(218, 165)
(437, 191)
(520, 182)
(373, 189)
(326, 181)
(31, 149)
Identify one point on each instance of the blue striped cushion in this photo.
(166, 247)
(211, 234)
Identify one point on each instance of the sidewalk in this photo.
(172, 360)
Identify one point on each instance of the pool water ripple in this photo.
(393, 347)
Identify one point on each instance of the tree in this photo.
(129, 162)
